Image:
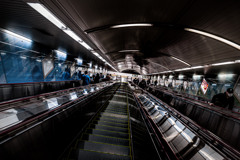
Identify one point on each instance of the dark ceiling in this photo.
(156, 44)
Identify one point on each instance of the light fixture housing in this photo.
(181, 61)
(131, 50)
(40, 8)
(228, 42)
(15, 35)
(132, 25)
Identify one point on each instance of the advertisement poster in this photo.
(72, 69)
(204, 86)
(47, 65)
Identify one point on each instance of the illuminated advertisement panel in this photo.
(204, 86)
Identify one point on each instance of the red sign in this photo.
(204, 86)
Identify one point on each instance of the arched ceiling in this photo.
(154, 46)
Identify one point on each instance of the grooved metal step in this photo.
(111, 119)
(110, 128)
(105, 148)
(91, 155)
(114, 124)
(105, 139)
(108, 133)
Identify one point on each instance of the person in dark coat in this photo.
(143, 84)
(225, 100)
(97, 78)
(148, 81)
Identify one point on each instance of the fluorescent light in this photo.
(86, 45)
(38, 60)
(73, 35)
(196, 67)
(223, 76)
(47, 14)
(180, 60)
(61, 55)
(23, 57)
(197, 77)
(132, 25)
(79, 61)
(3, 53)
(183, 69)
(180, 76)
(235, 45)
(95, 53)
(223, 63)
(15, 35)
(129, 51)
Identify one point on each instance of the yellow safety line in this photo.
(130, 146)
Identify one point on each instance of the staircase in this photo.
(108, 135)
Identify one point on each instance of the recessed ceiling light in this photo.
(180, 60)
(235, 45)
(132, 25)
(15, 35)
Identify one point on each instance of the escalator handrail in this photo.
(43, 94)
(159, 141)
(28, 121)
(153, 128)
(201, 103)
(87, 124)
(197, 126)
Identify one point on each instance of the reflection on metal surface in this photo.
(8, 117)
(73, 96)
(52, 103)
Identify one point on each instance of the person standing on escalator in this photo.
(86, 79)
(225, 100)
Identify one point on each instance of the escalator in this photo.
(106, 125)
(108, 134)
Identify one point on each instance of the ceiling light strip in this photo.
(47, 14)
(198, 67)
(181, 61)
(52, 18)
(15, 35)
(129, 51)
(230, 43)
(132, 25)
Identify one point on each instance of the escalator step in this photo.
(106, 122)
(108, 133)
(105, 139)
(115, 112)
(91, 155)
(115, 116)
(116, 108)
(105, 148)
(109, 128)
(114, 120)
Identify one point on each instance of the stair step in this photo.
(114, 120)
(105, 139)
(116, 112)
(108, 133)
(93, 155)
(116, 109)
(110, 128)
(106, 148)
(114, 116)
(114, 124)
